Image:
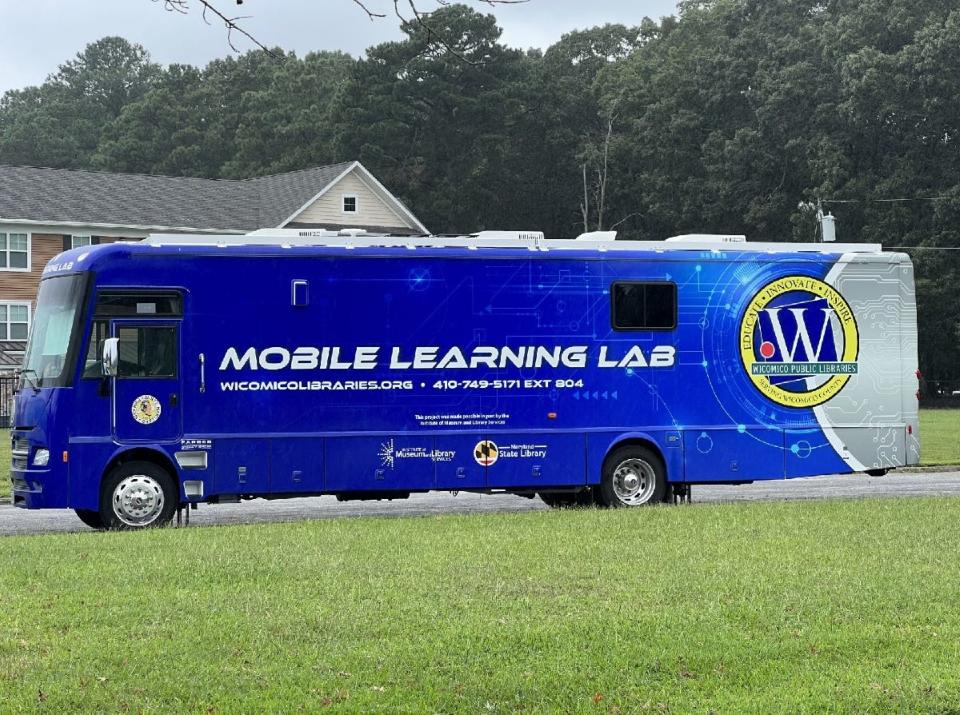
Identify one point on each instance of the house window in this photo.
(644, 306)
(349, 204)
(80, 241)
(15, 251)
(14, 321)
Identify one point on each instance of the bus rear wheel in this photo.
(633, 476)
(137, 495)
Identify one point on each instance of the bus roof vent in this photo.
(708, 238)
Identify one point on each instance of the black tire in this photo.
(568, 500)
(138, 495)
(630, 463)
(90, 517)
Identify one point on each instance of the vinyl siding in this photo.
(371, 210)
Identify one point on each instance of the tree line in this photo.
(735, 116)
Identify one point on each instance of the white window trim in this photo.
(75, 236)
(29, 267)
(356, 203)
(17, 304)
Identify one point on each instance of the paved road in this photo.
(20, 521)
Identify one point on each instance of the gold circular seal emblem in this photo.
(799, 341)
(146, 409)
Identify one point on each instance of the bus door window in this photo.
(147, 351)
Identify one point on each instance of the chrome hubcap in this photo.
(634, 482)
(138, 500)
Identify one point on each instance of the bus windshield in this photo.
(53, 331)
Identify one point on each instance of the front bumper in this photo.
(30, 489)
(38, 487)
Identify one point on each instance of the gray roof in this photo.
(98, 198)
(7, 359)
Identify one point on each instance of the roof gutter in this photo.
(120, 226)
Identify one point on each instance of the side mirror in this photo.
(111, 356)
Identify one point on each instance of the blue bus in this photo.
(188, 369)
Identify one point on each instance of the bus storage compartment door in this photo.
(388, 463)
(461, 461)
(733, 454)
(537, 460)
(242, 465)
(296, 464)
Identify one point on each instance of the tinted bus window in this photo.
(139, 304)
(644, 306)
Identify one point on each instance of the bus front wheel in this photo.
(90, 517)
(633, 476)
(137, 495)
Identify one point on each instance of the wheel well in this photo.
(141, 454)
(639, 442)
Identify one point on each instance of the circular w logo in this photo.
(799, 341)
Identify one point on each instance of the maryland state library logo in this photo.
(799, 341)
(486, 453)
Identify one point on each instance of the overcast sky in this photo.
(38, 35)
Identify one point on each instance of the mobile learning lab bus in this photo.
(192, 369)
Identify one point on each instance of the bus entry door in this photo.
(146, 390)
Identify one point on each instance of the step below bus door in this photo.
(146, 388)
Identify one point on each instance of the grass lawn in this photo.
(940, 436)
(841, 606)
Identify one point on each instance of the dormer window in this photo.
(349, 204)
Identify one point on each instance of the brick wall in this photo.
(22, 286)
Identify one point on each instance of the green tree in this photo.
(285, 124)
(59, 124)
(579, 124)
(163, 132)
(442, 127)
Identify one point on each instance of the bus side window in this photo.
(92, 365)
(644, 306)
(147, 352)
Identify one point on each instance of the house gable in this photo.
(376, 208)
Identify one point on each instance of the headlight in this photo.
(41, 458)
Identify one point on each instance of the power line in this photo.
(890, 201)
(923, 248)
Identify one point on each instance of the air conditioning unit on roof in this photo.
(532, 236)
(708, 238)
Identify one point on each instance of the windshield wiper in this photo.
(34, 385)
